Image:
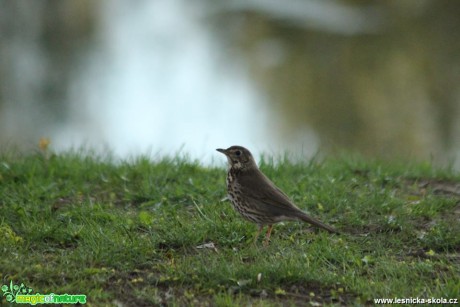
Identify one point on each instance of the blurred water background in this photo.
(161, 77)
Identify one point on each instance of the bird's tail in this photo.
(306, 218)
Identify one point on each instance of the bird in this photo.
(256, 198)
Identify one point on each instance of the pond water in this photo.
(168, 77)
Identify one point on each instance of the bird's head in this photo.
(238, 157)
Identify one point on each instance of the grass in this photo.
(142, 233)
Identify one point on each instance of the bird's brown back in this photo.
(265, 195)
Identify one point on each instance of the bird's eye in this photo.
(237, 153)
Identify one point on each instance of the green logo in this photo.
(21, 294)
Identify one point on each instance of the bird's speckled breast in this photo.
(236, 197)
(232, 185)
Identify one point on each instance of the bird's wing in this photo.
(266, 198)
(265, 195)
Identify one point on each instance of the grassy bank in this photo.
(144, 233)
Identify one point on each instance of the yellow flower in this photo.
(431, 252)
(44, 143)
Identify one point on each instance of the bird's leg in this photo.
(258, 233)
(267, 236)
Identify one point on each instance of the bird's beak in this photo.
(221, 150)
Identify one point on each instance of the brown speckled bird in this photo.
(256, 198)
